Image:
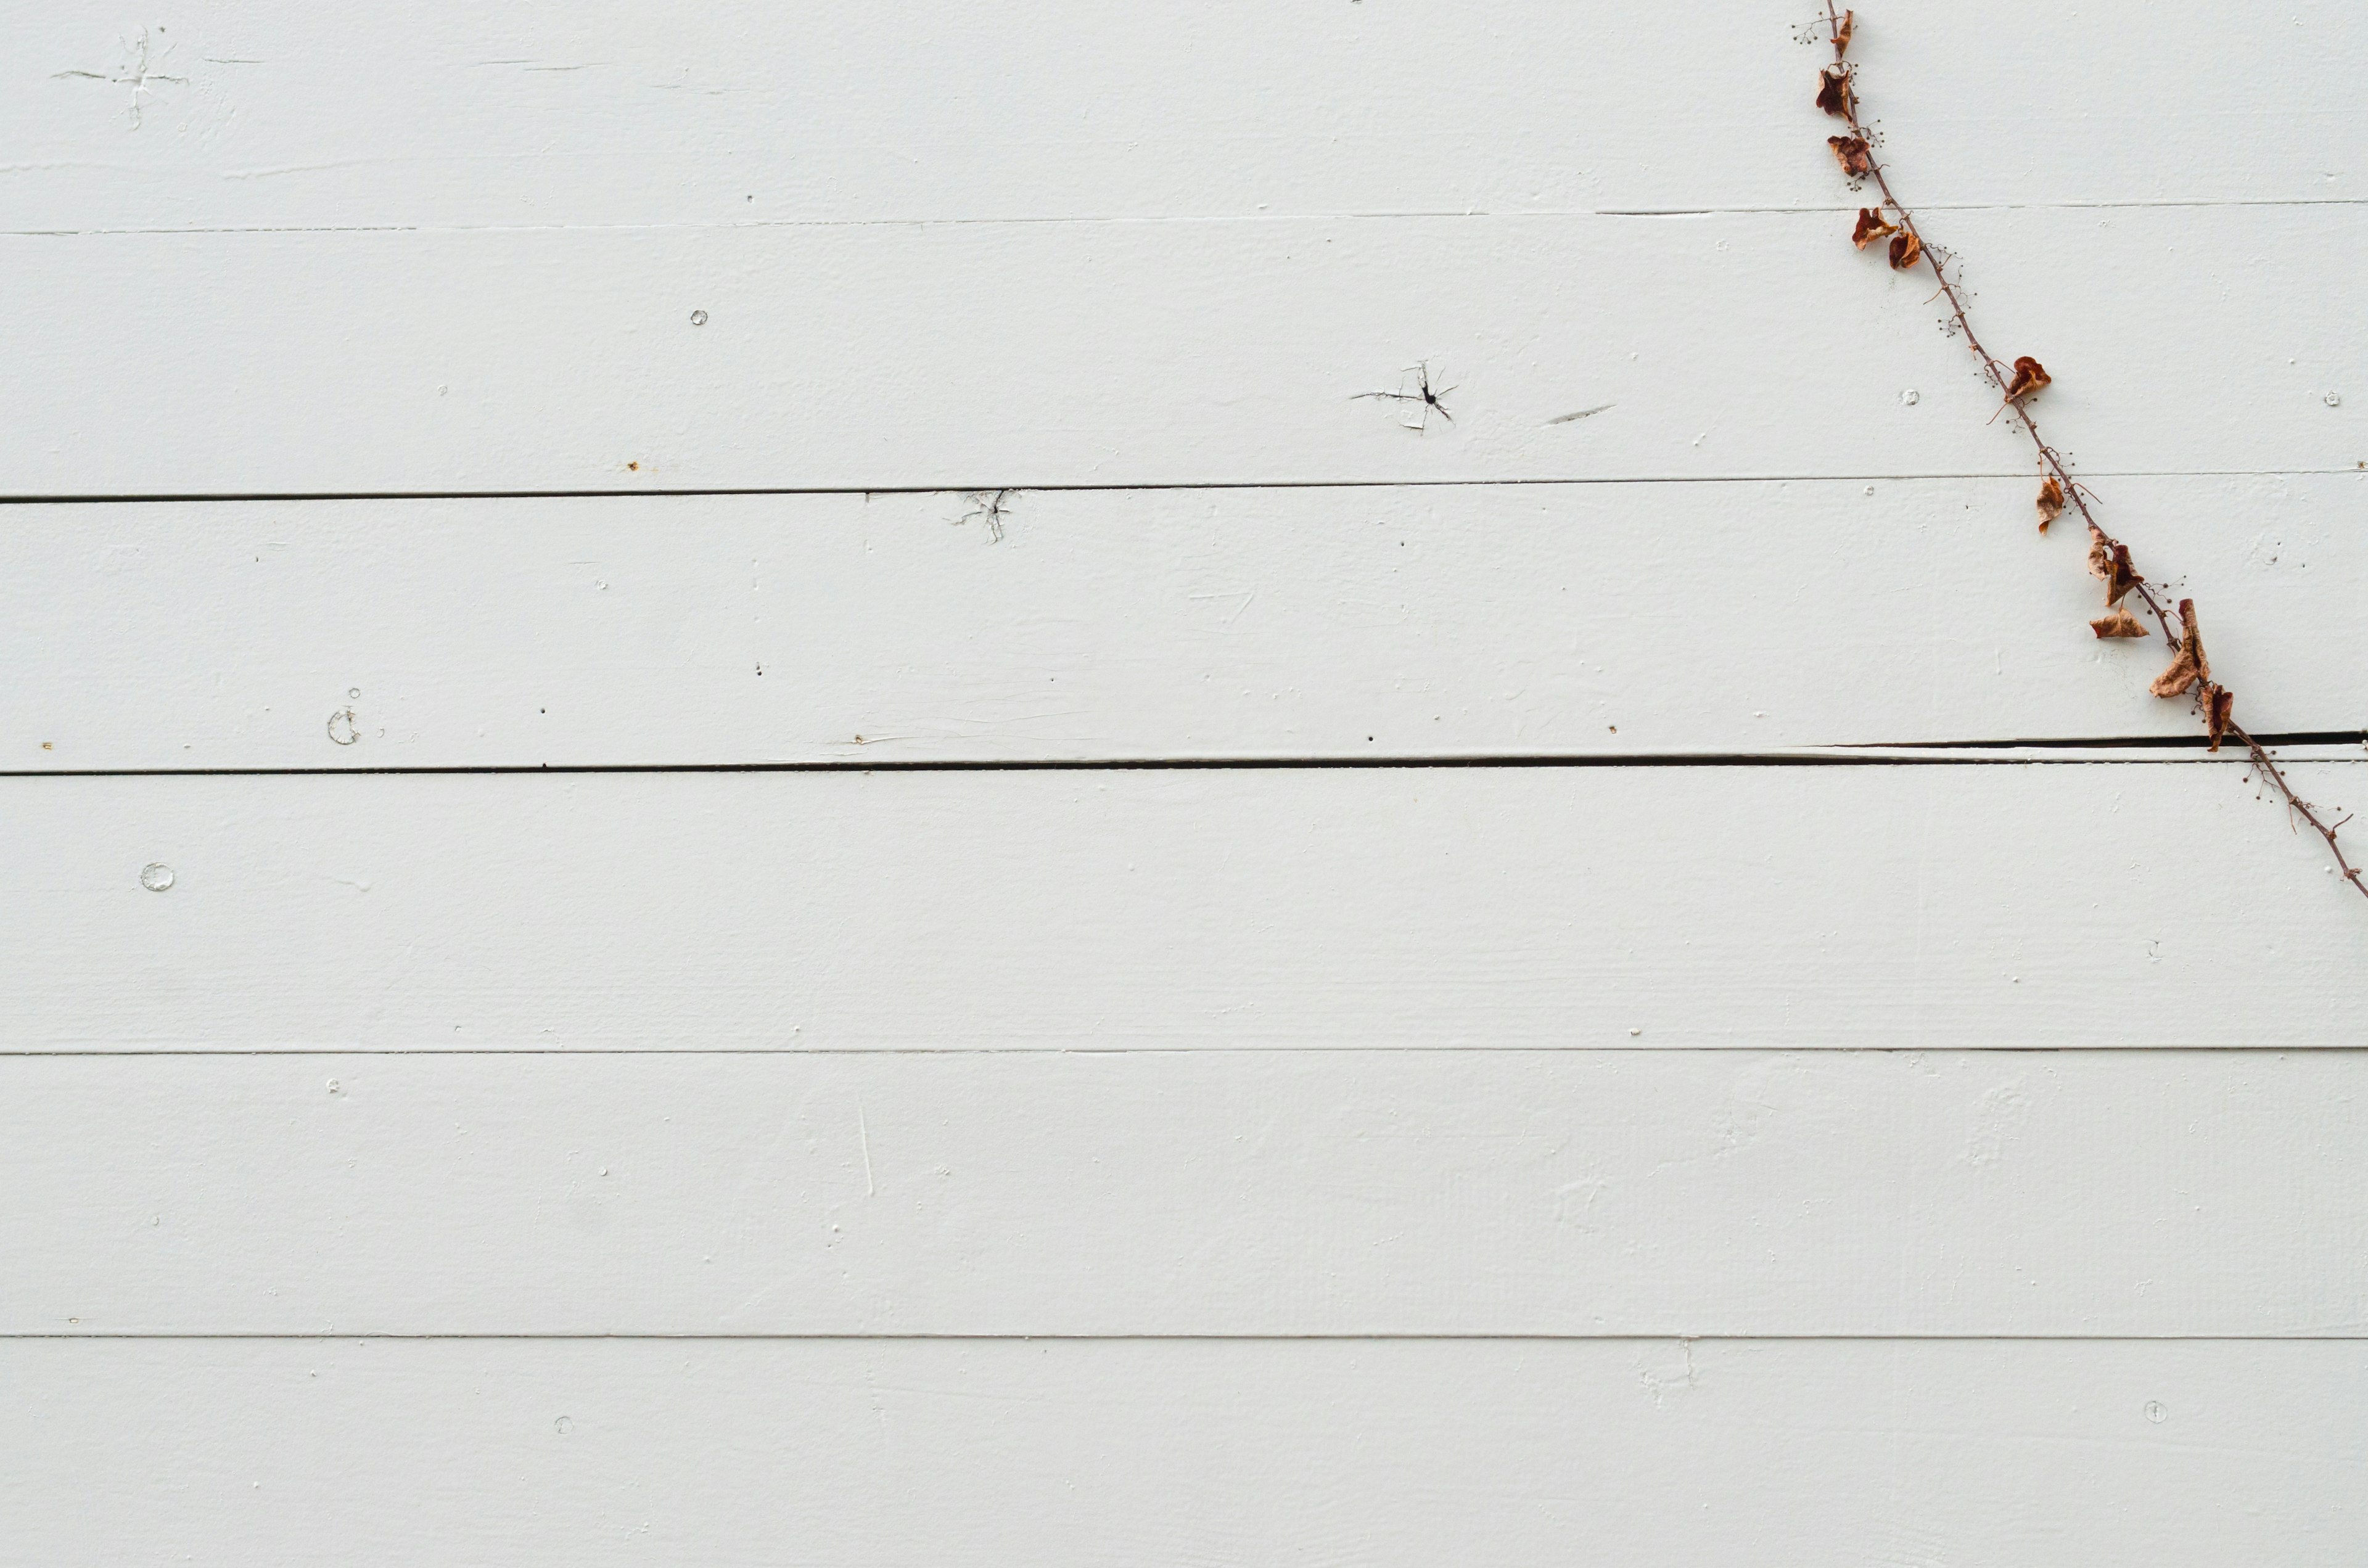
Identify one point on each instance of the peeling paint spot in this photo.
(1998, 1120)
(1661, 1378)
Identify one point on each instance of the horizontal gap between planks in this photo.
(1929, 754)
(101, 1336)
(2107, 743)
(789, 1052)
(1082, 220)
(1021, 488)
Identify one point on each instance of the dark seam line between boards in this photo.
(1162, 1053)
(2107, 743)
(1209, 220)
(1225, 765)
(2344, 1336)
(1022, 487)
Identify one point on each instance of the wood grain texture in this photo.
(2192, 340)
(273, 114)
(1424, 621)
(1862, 1455)
(1685, 1193)
(1991, 905)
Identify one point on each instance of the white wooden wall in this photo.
(1542, 991)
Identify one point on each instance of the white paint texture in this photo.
(550, 114)
(873, 356)
(1147, 1165)
(1669, 1193)
(1394, 621)
(1523, 1452)
(1518, 1453)
(2011, 905)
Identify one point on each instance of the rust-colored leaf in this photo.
(2122, 578)
(1842, 34)
(2051, 502)
(1834, 91)
(2030, 375)
(2175, 680)
(2188, 666)
(2117, 622)
(1851, 152)
(2218, 701)
(2111, 561)
(1871, 228)
(1907, 250)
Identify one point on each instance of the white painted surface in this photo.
(271, 113)
(452, 249)
(2007, 906)
(1523, 1452)
(1437, 621)
(1212, 1193)
(1032, 354)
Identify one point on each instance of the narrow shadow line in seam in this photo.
(2142, 750)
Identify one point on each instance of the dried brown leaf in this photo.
(2100, 556)
(1871, 228)
(2188, 666)
(2122, 578)
(2051, 502)
(1907, 250)
(1842, 34)
(2111, 561)
(2218, 701)
(2118, 622)
(1851, 152)
(2030, 375)
(2174, 681)
(1834, 91)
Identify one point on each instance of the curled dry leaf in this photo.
(2110, 560)
(2030, 375)
(2050, 503)
(2121, 578)
(1907, 250)
(1834, 91)
(2189, 665)
(2117, 622)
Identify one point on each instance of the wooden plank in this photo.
(1119, 353)
(277, 114)
(1853, 1454)
(1425, 621)
(1978, 905)
(1688, 1193)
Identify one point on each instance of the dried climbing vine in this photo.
(2190, 672)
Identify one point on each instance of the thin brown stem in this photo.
(2052, 461)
